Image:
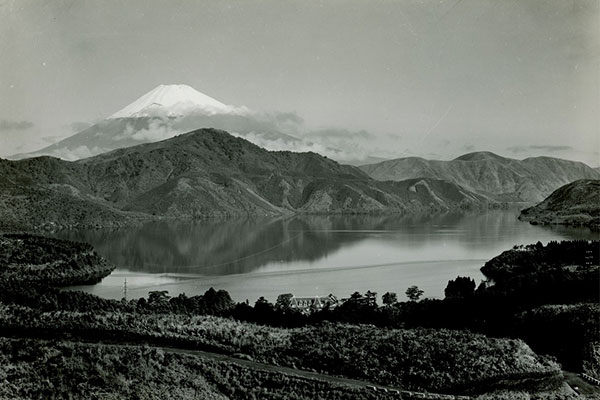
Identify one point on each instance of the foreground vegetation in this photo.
(420, 359)
(36, 369)
(418, 345)
(28, 259)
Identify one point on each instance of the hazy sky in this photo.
(429, 78)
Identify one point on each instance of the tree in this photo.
(462, 286)
(389, 298)
(355, 297)
(371, 299)
(263, 310)
(413, 293)
(216, 301)
(158, 296)
(283, 301)
(262, 305)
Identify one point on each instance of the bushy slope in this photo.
(139, 372)
(501, 178)
(204, 173)
(577, 203)
(418, 359)
(28, 259)
(32, 369)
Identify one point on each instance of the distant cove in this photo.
(309, 255)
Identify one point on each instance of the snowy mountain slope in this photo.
(162, 113)
(174, 101)
(170, 110)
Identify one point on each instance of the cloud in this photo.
(77, 126)
(155, 132)
(288, 117)
(272, 131)
(302, 146)
(6, 125)
(273, 124)
(546, 148)
(51, 139)
(339, 133)
(72, 154)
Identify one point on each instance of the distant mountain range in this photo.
(490, 175)
(204, 173)
(577, 203)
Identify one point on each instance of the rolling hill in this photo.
(201, 174)
(577, 203)
(490, 175)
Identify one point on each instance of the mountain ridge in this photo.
(577, 203)
(207, 173)
(504, 179)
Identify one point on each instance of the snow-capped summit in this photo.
(164, 112)
(174, 100)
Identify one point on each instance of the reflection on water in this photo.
(309, 255)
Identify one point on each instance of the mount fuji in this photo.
(162, 113)
(175, 101)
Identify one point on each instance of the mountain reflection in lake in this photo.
(309, 255)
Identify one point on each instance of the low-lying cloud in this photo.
(546, 148)
(156, 131)
(272, 131)
(78, 126)
(7, 125)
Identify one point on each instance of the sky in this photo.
(434, 79)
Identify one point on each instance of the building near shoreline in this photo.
(312, 304)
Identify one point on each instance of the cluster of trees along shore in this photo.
(472, 341)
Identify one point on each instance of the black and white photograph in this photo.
(299, 199)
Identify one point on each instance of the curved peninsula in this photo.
(577, 203)
(52, 262)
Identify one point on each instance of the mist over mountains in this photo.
(170, 110)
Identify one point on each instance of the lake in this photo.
(309, 255)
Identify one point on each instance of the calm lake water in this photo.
(309, 255)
